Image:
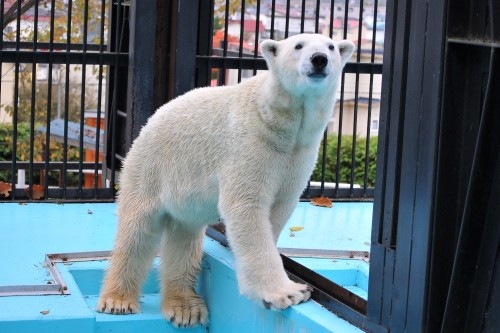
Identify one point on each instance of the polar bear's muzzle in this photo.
(319, 62)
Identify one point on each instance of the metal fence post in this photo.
(141, 72)
(184, 39)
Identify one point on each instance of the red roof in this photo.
(250, 25)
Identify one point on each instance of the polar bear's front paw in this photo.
(117, 305)
(185, 310)
(294, 294)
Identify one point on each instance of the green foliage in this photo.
(23, 145)
(346, 159)
(56, 152)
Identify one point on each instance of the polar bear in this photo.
(241, 153)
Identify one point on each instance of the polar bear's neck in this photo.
(299, 117)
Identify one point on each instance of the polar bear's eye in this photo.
(298, 46)
(331, 47)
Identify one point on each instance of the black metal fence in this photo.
(60, 61)
(73, 98)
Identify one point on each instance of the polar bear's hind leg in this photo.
(181, 252)
(136, 242)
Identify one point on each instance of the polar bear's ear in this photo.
(346, 49)
(269, 49)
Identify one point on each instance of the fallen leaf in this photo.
(89, 211)
(45, 312)
(38, 192)
(322, 202)
(5, 188)
(296, 228)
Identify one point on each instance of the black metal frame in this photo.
(434, 259)
(464, 277)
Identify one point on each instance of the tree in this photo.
(81, 21)
(234, 7)
(346, 163)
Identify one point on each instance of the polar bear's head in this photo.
(306, 61)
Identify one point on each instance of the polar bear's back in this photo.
(188, 139)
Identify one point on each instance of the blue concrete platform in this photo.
(30, 231)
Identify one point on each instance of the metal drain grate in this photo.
(59, 287)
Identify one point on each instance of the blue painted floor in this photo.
(29, 231)
(344, 227)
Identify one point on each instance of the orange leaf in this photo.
(5, 188)
(322, 202)
(38, 192)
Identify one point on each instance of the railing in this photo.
(60, 63)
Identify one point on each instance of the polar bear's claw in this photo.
(185, 311)
(117, 305)
(294, 295)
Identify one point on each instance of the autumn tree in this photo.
(71, 24)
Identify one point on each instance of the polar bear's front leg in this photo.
(280, 214)
(181, 252)
(260, 271)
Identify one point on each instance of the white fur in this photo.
(243, 153)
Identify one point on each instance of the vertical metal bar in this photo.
(16, 106)
(242, 37)
(273, 15)
(316, 20)
(368, 134)
(332, 17)
(66, 99)
(323, 162)
(114, 106)
(356, 102)
(370, 97)
(82, 99)
(287, 18)
(184, 44)
(346, 17)
(205, 41)
(99, 101)
(33, 101)
(389, 152)
(257, 32)
(49, 100)
(354, 133)
(2, 8)
(374, 32)
(302, 16)
(341, 107)
(339, 136)
(223, 69)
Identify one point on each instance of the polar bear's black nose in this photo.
(319, 60)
